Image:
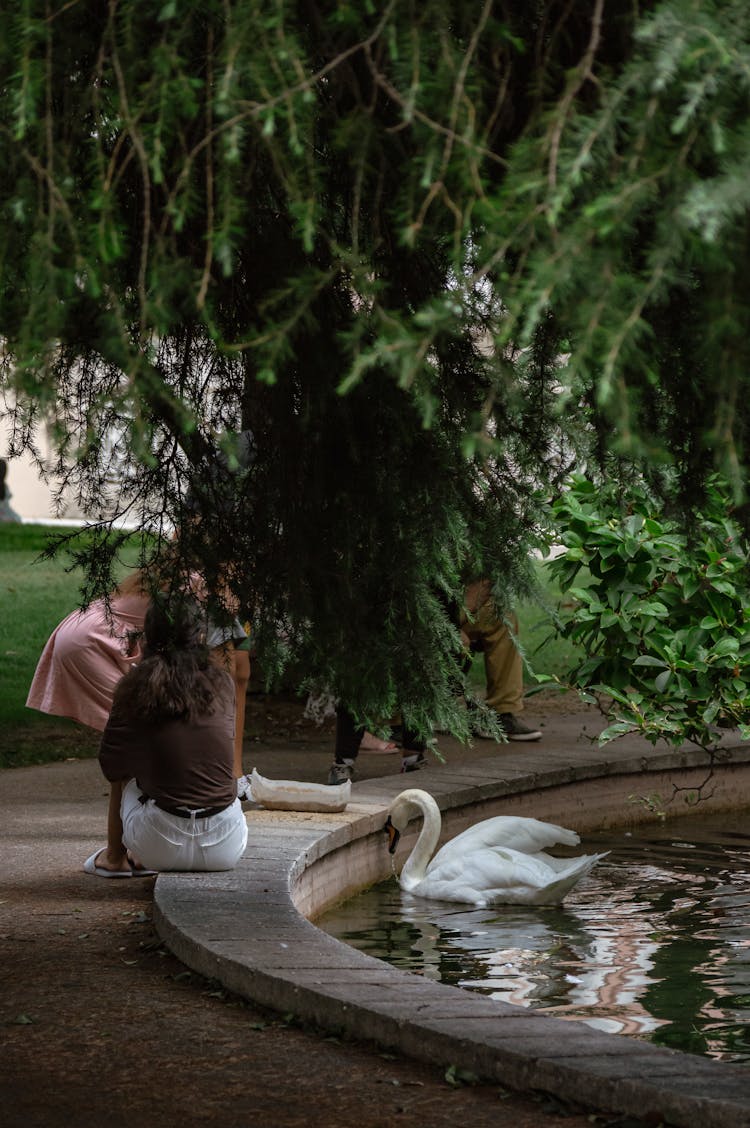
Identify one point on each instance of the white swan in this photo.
(498, 861)
(293, 795)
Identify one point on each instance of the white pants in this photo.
(161, 841)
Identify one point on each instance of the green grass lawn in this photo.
(37, 594)
(545, 651)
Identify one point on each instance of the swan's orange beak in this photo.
(393, 835)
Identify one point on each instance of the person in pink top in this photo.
(87, 654)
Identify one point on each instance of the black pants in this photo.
(349, 737)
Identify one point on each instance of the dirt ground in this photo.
(101, 1026)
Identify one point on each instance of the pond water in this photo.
(654, 942)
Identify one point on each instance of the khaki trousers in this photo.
(503, 667)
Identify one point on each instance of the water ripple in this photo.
(654, 943)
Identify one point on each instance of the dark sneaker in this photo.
(517, 730)
(413, 761)
(340, 773)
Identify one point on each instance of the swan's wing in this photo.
(562, 865)
(527, 836)
(503, 876)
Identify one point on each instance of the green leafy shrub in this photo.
(664, 620)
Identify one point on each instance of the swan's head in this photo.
(393, 835)
(404, 807)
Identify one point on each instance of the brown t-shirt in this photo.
(180, 764)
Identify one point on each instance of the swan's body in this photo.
(498, 861)
(293, 795)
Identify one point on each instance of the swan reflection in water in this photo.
(545, 958)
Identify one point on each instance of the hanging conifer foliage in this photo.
(427, 254)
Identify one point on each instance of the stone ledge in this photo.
(249, 930)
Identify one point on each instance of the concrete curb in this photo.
(249, 929)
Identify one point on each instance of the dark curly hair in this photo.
(175, 678)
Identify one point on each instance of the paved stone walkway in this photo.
(248, 929)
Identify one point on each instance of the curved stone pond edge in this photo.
(251, 929)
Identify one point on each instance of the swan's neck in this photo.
(416, 864)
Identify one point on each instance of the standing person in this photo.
(229, 648)
(217, 493)
(483, 630)
(169, 744)
(7, 513)
(349, 737)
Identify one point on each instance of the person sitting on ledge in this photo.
(168, 746)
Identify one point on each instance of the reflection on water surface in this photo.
(654, 942)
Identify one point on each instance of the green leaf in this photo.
(634, 524)
(726, 646)
(649, 660)
(656, 609)
(690, 585)
(581, 594)
(615, 693)
(725, 588)
(456, 1076)
(619, 728)
(587, 668)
